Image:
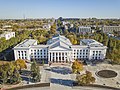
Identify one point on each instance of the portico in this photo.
(60, 56)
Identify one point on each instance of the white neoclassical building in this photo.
(59, 49)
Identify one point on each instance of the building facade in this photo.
(8, 35)
(110, 29)
(84, 30)
(59, 49)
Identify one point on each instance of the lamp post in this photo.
(28, 79)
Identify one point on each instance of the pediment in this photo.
(59, 48)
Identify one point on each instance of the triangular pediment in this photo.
(59, 48)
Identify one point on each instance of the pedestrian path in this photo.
(60, 81)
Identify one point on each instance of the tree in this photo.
(85, 79)
(9, 74)
(20, 64)
(3, 76)
(15, 78)
(77, 67)
(53, 29)
(35, 72)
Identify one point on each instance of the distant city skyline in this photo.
(19, 9)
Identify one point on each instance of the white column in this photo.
(58, 56)
(55, 56)
(51, 56)
(64, 57)
(28, 54)
(20, 54)
(61, 57)
(24, 54)
(67, 56)
(48, 56)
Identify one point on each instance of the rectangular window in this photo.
(18, 51)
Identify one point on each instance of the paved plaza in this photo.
(61, 77)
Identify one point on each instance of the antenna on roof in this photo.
(24, 16)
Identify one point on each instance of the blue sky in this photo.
(10, 9)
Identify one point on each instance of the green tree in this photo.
(53, 29)
(35, 72)
(9, 73)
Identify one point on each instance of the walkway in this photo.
(60, 78)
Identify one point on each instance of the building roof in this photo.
(27, 43)
(90, 42)
(59, 40)
(39, 46)
(84, 27)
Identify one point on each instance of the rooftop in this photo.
(27, 43)
(59, 40)
(90, 42)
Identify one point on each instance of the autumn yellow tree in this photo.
(20, 64)
(85, 79)
(77, 66)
